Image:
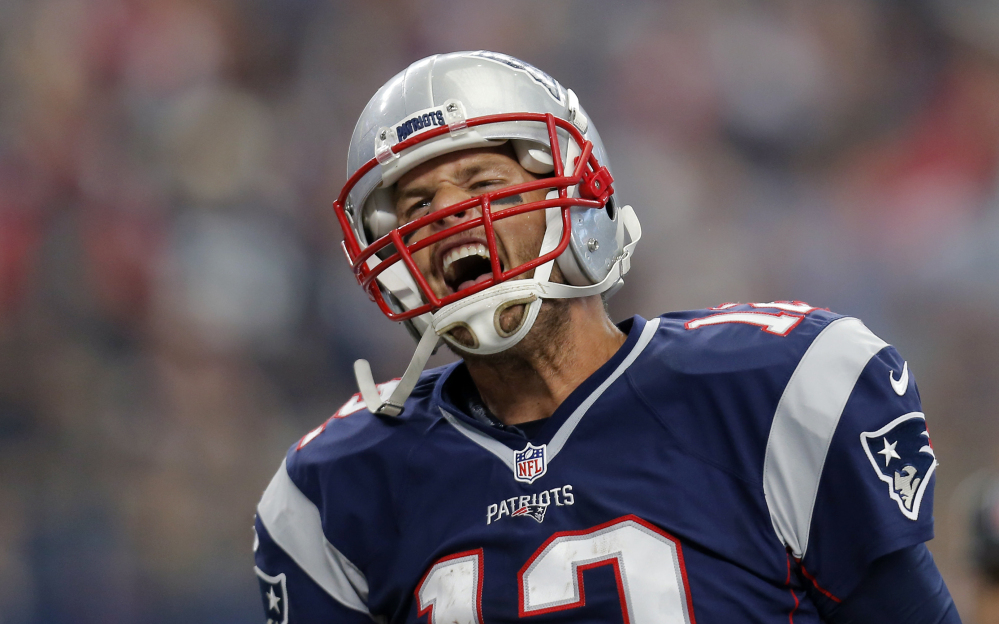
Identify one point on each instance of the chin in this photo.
(511, 318)
(464, 339)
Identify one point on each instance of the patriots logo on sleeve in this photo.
(902, 456)
(274, 590)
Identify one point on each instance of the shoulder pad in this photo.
(735, 336)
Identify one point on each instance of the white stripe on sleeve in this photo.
(805, 421)
(293, 522)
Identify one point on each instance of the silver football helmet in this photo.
(465, 100)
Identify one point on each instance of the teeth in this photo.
(464, 251)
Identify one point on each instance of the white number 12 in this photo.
(648, 565)
(779, 324)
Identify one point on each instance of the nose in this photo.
(448, 195)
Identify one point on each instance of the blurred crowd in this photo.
(175, 310)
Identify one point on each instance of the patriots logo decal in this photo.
(536, 74)
(532, 511)
(902, 455)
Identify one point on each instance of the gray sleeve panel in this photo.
(805, 421)
(293, 522)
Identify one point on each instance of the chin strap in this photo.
(481, 308)
(479, 314)
(393, 405)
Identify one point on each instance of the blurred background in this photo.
(175, 310)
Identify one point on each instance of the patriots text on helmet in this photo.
(422, 121)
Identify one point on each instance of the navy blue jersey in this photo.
(722, 465)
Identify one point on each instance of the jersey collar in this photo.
(560, 426)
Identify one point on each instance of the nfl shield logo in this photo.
(530, 463)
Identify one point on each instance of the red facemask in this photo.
(594, 189)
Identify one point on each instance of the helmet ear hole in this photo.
(611, 208)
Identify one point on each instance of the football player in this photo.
(754, 463)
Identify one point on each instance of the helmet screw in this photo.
(593, 244)
(452, 107)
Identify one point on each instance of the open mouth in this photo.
(466, 265)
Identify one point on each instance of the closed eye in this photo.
(486, 184)
(417, 210)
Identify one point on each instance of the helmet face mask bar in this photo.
(593, 180)
(471, 100)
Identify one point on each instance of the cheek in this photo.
(535, 221)
(423, 259)
(423, 256)
(522, 236)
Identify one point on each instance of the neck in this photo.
(570, 340)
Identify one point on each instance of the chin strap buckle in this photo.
(597, 185)
(394, 404)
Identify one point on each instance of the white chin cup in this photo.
(480, 315)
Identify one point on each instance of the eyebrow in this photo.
(466, 172)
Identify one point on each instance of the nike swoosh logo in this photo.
(902, 384)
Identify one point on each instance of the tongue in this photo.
(477, 280)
